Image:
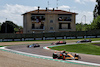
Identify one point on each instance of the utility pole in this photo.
(85, 23)
(82, 18)
(6, 26)
(57, 5)
(48, 4)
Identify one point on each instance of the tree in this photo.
(0, 27)
(78, 27)
(8, 27)
(96, 11)
(96, 23)
(83, 27)
(86, 27)
(17, 29)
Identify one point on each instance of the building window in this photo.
(69, 27)
(65, 17)
(60, 18)
(42, 26)
(33, 18)
(42, 18)
(60, 27)
(51, 28)
(64, 26)
(33, 26)
(39, 17)
(51, 21)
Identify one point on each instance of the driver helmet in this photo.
(77, 54)
(64, 51)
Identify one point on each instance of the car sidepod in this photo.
(69, 57)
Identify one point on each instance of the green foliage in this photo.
(17, 29)
(20, 27)
(96, 23)
(12, 24)
(9, 27)
(96, 11)
(83, 27)
(0, 26)
(78, 27)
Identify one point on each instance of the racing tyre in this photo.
(63, 57)
(34, 46)
(55, 56)
(76, 59)
(28, 46)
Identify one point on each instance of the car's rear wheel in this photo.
(28, 46)
(55, 56)
(63, 57)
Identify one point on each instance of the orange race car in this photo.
(65, 56)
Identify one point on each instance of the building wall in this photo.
(29, 23)
(24, 23)
(73, 26)
(51, 21)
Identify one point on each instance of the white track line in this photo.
(82, 62)
(27, 53)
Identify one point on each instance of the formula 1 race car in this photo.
(33, 45)
(83, 41)
(59, 42)
(66, 56)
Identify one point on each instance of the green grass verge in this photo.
(87, 48)
(94, 39)
(1, 46)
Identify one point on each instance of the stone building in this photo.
(49, 21)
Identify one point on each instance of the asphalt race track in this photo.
(41, 51)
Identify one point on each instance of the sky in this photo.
(12, 10)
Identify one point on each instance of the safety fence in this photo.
(49, 35)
